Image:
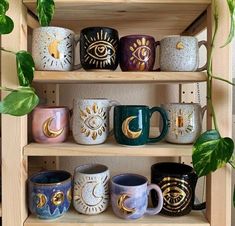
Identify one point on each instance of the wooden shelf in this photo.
(72, 218)
(118, 77)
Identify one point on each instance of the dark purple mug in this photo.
(137, 53)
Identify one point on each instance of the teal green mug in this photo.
(132, 124)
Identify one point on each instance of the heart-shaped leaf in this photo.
(45, 11)
(19, 102)
(4, 6)
(25, 67)
(211, 152)
(6, 24)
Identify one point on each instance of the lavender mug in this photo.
(50, 124)
(129, 196)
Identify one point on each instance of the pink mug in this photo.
(50, 124)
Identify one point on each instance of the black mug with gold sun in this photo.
(99, 48)
(177, 182)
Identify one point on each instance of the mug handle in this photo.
(112, 103)
(200, 206)
(199, 45)
(164, 126)
(76, 41)
(157, 43)
(204, 110)
(158, 208)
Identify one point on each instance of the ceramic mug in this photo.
(177, 182)
(50, 124)
(137, 53)
(99, 48)
(91, 189)
(132, 124)
(185, 122)
(53, 49)
(49, 193)
(180, 53)
(129, 196)
(90, 121)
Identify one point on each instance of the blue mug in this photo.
(50, 193)
(129, 196)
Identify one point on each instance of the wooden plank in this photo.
(118, 77)
(14, 129)
(219, 183)
(72, 218)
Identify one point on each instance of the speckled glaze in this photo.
(53, 49)
(129, 196)
(185, 122)
(50, 124)
(180, 53)
(90, 121)
(49, 193)
(137, 53)
(91, 189)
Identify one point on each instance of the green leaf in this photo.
(232, 161)
(6, 24)
(45, 11)
(4, 6)
(20, 102)
(234, 197)
(25, 67)
(211, 152)
(231, 6)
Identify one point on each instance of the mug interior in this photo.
(50, 177)
(44, 107)
(129, 180)
(91, 169)
(137, 36)
(131, 106)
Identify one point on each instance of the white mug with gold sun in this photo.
(53, 49)
(90, 121)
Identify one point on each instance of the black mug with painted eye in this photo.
(137, 53)
(99, 48)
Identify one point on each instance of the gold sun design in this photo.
(93, 121)
(140, 53)
(100, 50)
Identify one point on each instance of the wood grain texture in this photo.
(73, 218)
(118, 77)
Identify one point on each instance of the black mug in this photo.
(99, 48)
(177, 182)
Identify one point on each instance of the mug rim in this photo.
(105, 170)
(179, 36)
(50, 184)
(84, 99)
(181, 104)
(135, 106)
(53, 27)
(98, 27)
(137, 36)
(47, 107)
(129, 174)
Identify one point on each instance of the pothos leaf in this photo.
(211, 152)
(19, 102)
(6, 24)
(25, 67)
(4, 6)
(45, 11)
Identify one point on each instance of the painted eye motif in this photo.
(57, 198)
(94, 122)
(101, 50)
(175, 196)
(142, 53)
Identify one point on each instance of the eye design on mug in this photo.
(93, 119)
(141, 53)
(100, 50)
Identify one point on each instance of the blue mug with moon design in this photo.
(129, 196)
(132, 124)
(50, 193)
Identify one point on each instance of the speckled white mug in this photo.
(90, 121)
(91, 188)
(53, 49)
(180, 53)
(185, 122)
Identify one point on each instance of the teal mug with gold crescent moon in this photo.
(132, 124)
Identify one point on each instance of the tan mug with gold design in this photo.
(90, 122)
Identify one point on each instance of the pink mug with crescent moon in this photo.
(50, 124)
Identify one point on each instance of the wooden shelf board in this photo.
(72, 218)
(118, 77)
(110, 148)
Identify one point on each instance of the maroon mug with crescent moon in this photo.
(50, 124)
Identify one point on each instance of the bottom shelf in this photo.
(72, 218)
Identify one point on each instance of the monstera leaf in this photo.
(211, 152)
(45, 11)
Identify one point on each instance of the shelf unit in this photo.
(154, 17)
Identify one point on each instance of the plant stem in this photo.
(8, 51)
(224, 80)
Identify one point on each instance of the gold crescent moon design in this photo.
(120, 203)
(49, 132)
(126, 130)
(42, 200)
